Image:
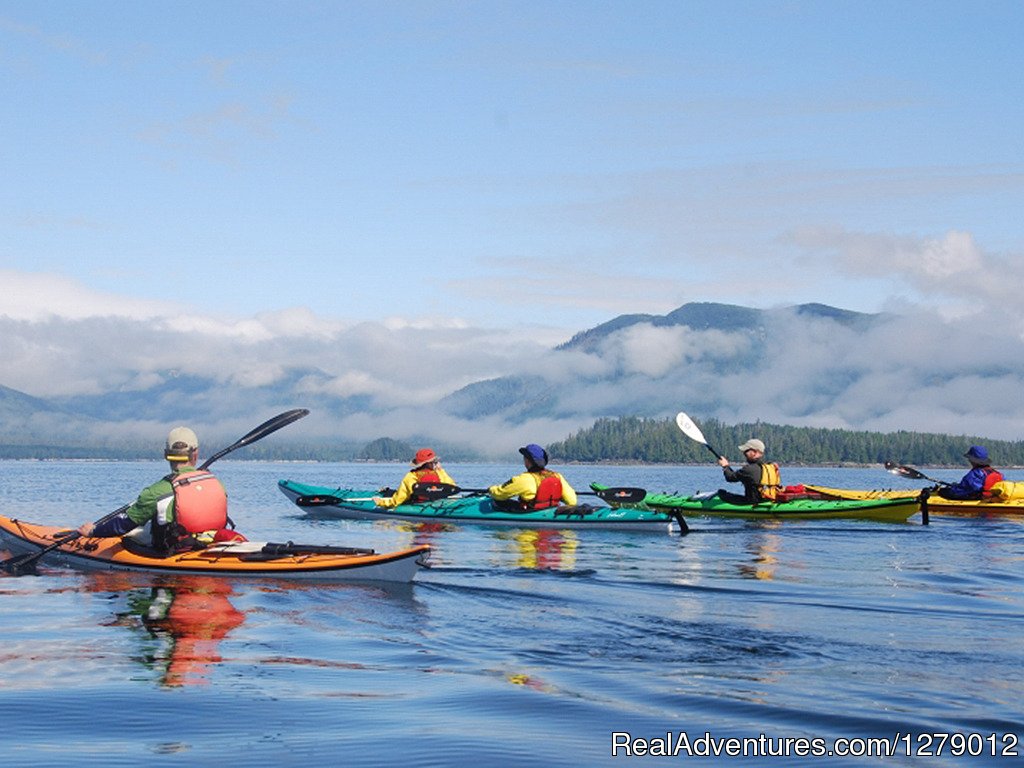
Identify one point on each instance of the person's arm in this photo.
(520, 485)
(118, 525)
(731, 475)
(970, 486)
(444, 477)
(568, 492)
(144, 507)
(401, 495)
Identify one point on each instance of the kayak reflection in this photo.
(187, 618)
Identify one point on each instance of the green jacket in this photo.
(144, 507)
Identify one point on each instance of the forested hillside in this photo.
(660, 441)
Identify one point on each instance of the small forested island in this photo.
(623, 440)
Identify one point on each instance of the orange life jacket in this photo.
(200, 502)
(549, 491)
(992, 476)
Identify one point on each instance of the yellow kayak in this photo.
(936, 504)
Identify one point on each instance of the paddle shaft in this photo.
(18, 563)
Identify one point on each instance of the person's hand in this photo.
(378, 501)
(723, 462)
(86, 529)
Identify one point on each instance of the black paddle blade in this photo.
(622, 495)
(317, 501)
(434, 491)
(20, 565)
(264, 429)
(904, 471)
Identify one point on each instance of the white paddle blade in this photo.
(691, 430)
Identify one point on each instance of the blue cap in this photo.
(537, 454)
(977, 452)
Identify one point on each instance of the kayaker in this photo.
(182, 510)
(536, 488)
(976, 484)
(761, 481)
(426, 468)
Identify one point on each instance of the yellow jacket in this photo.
(404, 491)
(524, 487)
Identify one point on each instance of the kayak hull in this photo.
(476, 510)
(936, 504)
(234, 560)
(896, 510)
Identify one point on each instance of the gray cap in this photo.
(180, 441)
(753, 444)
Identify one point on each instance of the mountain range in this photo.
(635, 364)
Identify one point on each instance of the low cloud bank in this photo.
(953, 363)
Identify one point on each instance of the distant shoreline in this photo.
(399, 462)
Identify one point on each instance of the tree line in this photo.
(654, 441)
(623, 440)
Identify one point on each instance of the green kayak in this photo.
(352, 504)
(809, 508)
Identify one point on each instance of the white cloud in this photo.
(36, 296)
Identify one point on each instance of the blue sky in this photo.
(499, 163)
(359, 185)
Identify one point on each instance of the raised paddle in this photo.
(911, 473)
(20, 564)
(692, 431)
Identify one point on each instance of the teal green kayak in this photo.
(354, 504)
(888, 510)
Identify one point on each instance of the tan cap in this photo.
(753, 444)
(180, 441)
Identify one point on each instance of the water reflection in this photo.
(181, 623)
(763, 548)
(543, 549)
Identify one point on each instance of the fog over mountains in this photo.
(106, 380)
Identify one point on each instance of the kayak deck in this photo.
(897, 509)
(228, 559)
(355, 504)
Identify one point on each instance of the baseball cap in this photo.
(180, 441)
(753, 444)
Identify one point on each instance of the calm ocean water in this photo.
(517, 647)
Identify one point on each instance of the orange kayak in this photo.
(248, 558)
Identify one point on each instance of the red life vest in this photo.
(200, 502)
(992, 476)
(549, 491)
(425, 476)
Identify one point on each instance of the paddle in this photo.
(909, 472)
(692, 431)
(21, 563)
(435, 491)
(269, 550)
